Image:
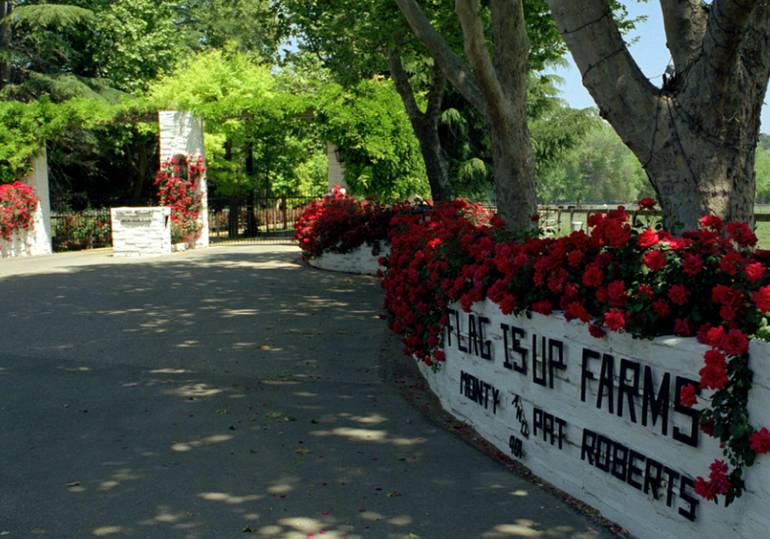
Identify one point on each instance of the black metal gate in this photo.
(254, 219)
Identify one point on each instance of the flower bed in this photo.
(710, 285)
(341, 233)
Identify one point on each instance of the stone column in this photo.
(336, 167)
(182, 133)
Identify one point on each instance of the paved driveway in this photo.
(227, 393)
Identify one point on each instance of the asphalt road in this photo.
(228, 393)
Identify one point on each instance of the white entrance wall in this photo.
(604, 454)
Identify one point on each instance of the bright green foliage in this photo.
(27, 126)
(599, 169)
(138, 40)
(379, 150)
(252, 25)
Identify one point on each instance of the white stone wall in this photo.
(182, 133)
(360, 260)
(37, 239)
(336, 167)
(469, 399)
(141, 231)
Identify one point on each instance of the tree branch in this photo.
(454, 67)
(724, 34)
(401, 81)
(436, 93)
(685, 23)
(624, 95)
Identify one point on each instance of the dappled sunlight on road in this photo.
(202, 442)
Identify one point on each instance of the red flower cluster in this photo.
(638, 279)
(178, 182)
(17, 208)
(339, 223)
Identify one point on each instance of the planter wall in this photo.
(141, 231)
(37, 239)
(360, 260)
(548, 416)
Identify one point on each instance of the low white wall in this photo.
(360, 260)
(182, 133)
(37, 239)
(547, 416)
(141, 231)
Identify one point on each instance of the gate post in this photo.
(182, 133)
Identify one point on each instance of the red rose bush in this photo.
(178, 182)
(622, 276)
(18, 203)
(339, 223)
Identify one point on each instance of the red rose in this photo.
(711, 221)
(576, 310)
(654, 260)
(741, 234)
(761, 299)
(677, 294)
(596, 331)
(615, 320)
(755, 272)
(704, 489)
(760, 441)
(682, 327)
(439, 355)
(714, 377)
(645, 291)
(692, 264)
(616, 291)
(593, 276)
(574, 258)
(543, 307)
(648, 238)
(647, 203)
(661, 308)
(688, 395)
(534, 217)
(735, 343)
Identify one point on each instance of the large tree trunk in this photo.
(496, 86)
(695, 137)
(6, 37)
(425, 124)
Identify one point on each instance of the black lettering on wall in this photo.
(518, 334)
(690, 438)
(656, 404)
(603, 453)
(459, 329)
(653, 473)
(473, 338)
(685, 489)
(620, 461)
(606, 383)
(586, 374)
(588, 446)
(484, 343)
(633, 469)
(540, 378)
(628, 389)
(671, 479)
(449, 327)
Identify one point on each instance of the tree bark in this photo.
(695, 137)
(425, 124)
(497, 88)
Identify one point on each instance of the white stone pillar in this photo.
(336, 167)
(182, 133)
(36, 240)
(38, 180)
